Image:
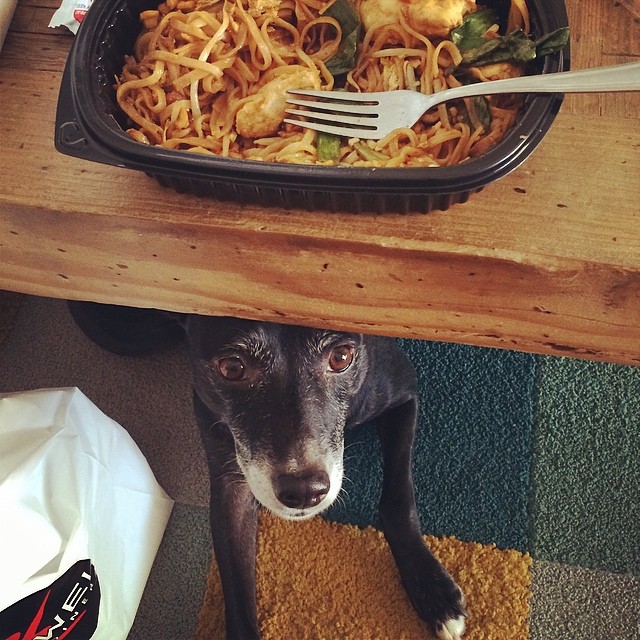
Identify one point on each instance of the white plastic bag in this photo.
(80, 510)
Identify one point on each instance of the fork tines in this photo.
(336, 97)
(319, 111)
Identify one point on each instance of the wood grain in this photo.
(545, 260)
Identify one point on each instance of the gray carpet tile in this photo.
(586, 473)
(149, 396)
(572, 603)
(173, 596)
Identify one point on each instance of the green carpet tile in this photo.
(472, 453)
(532, 453)
(586, 507)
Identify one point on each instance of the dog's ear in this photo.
(126, 330)
(198, 329)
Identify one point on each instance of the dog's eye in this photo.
(232, 368)
(341, 358)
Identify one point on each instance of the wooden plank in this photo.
(33, 52)
(602, 33)
(35, 18)
(566, 307)
(633, 6)
(546, 259)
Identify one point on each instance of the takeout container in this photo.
(90, 125)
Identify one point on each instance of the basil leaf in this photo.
(328, 146)
(474, 25)
(483, 112)
(520, 46)
(552, 42)
(486, 49)
(515, 47)
(345, 59)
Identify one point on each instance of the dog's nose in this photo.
(301, 491)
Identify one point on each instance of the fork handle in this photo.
(622, 77)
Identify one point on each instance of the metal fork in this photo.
(374, 115)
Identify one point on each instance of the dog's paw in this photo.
(435, 596)
(452, 629)
(445, 612)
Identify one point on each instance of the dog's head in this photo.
(285, 394)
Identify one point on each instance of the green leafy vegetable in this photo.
(468, 35)
(552, 42)
(514, 47)
(477, 113)
(328, 146)
(483, 112)
(347, 16)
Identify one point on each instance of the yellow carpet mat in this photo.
(318, 580)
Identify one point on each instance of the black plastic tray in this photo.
(90, 125)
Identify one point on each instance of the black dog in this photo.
(272, 403)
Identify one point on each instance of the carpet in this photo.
(527, 477)
(518, 457)
(320, 579)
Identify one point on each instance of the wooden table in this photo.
(546, 260)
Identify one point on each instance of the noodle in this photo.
(210, 76)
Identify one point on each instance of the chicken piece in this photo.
(264, 7)
(497, 71)
(376, 13)
(434, 18)
(264, 112)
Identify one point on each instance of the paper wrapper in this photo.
(70, 14)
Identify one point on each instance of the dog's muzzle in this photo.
(294, 495)
(302, 491)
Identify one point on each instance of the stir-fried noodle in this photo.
(210, 76)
